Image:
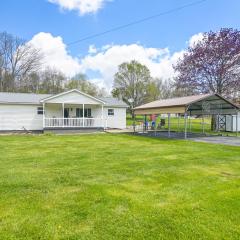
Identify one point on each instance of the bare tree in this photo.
(18, 59)
(51, 81)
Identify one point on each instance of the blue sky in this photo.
(154, 41)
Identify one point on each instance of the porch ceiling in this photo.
(72, 104)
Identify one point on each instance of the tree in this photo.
(130, 83)
(211, 65)
(51, 81)
(17, 60)
(81, 83)
(153, 91)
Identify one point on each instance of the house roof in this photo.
(32, 98)
(113, 102)
(27, 98)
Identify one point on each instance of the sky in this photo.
(52, 25)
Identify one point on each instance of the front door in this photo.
(66, 112)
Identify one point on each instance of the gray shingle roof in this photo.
(27, 98)
(32, 98)
(113, 102)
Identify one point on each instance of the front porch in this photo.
(73, 116)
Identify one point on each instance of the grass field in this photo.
(117, 187)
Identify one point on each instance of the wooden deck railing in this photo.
(75, 123)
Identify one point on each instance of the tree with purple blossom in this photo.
(212, 65)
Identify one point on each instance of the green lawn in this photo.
(117, 187)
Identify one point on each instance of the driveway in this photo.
(233, 141)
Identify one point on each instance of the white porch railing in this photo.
(75, 122)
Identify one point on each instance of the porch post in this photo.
(102, 118)
(63, 115)
(83, 115)
(185, 125)
(169, 130)
(43, 115)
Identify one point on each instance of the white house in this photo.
(68, 110)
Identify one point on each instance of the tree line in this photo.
(21, 70)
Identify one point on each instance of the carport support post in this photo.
(169, 130)
(203, 125)
(185, 125)
(155, 127)
(190, 123)
(178, 121)
(145, 122)
(134, 123)
(237, 116)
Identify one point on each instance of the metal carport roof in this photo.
(197, 104)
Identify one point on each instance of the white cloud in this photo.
(55, 53)
(195, 39)
(92, 49)
(106, 61)
(102, 63)
(82, 6)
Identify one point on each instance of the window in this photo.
(110, 112)
(40, 110)
(79, 112)
(87, 112)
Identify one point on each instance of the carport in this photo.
(197, 105)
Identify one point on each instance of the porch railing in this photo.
(75, 122)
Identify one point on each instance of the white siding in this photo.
(119, 118)
(53, 111)
(116, 121)
(17, 117)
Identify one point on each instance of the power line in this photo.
(136, 22)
